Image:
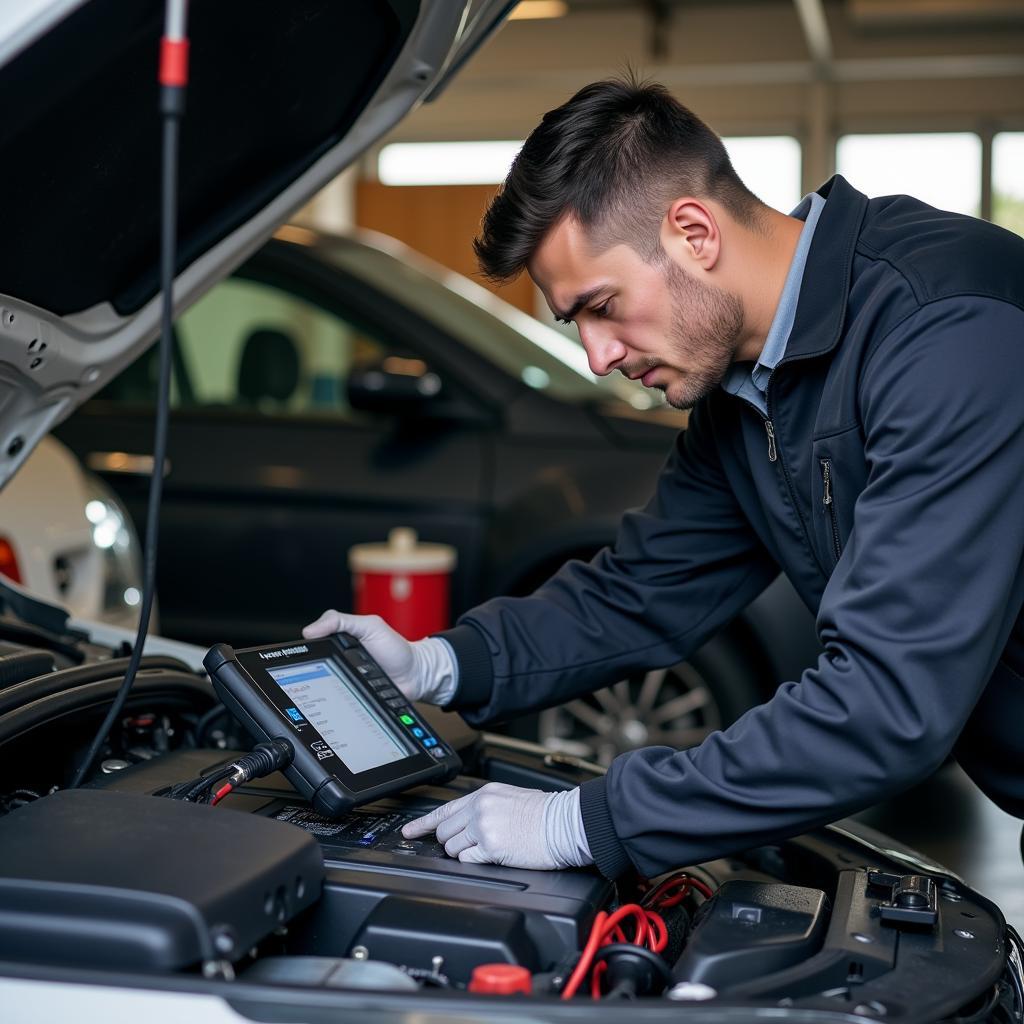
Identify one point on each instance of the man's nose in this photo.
(604, 352)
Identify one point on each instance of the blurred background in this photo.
(342, 386)
(924, 97)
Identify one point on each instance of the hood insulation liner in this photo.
(274, 84)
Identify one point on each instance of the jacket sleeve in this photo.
(912, 621)
(680, 568)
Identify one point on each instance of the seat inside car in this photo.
(268, 371)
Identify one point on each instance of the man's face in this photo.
(654, 322)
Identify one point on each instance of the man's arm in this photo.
(913, 618)
(680, 569)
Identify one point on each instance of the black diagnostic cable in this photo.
(265, 758)
(173, 79)
(194, 790)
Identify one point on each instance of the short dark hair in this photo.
(613, 157)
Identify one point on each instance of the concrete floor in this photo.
(951, 821)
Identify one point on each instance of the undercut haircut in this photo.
(614, 157)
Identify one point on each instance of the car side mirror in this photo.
(402, 386)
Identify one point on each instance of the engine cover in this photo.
(119, 880)
(407, 901)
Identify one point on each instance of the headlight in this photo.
(121, 555)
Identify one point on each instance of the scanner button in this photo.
(430, 742)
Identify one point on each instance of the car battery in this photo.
(406, 582)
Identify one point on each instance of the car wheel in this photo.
(675, 707)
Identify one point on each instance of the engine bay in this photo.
(288, 907)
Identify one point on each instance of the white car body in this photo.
(72, 542)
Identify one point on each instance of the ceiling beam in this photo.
(660, 20)
(812, 20)
(877, 69)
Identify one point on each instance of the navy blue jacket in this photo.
(902, 386)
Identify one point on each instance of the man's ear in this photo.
(690, 231)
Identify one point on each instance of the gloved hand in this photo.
(422, 670)
(519, 828)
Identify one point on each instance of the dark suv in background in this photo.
(333, 388)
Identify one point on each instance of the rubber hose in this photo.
(16, 668)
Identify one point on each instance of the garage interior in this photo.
(359, 419)
(811, 70)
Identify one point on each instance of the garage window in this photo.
(939, 168)
(768, 164)
(446, 163)
(1008, 181)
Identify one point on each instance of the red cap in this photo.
(500, 979)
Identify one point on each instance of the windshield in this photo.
(538, 355)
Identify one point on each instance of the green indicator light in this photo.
(406, 720)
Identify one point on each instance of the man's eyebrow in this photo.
(581, 301)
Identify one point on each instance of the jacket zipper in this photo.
(773, 453)
(830, 505)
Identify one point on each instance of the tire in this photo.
(676, 707)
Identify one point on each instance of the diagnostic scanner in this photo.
(355, 737)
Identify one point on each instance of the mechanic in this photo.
(855, 372)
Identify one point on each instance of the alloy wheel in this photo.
(672, 707)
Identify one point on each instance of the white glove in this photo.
(519, 828)
(422, 670)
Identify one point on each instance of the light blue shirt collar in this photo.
(751, 384)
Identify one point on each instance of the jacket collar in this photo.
(826, 283)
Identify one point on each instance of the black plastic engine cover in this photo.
(368, 862)
(411, 931)
(407, 901)
(105, 879)
(752, 929)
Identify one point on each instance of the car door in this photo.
(271, 474)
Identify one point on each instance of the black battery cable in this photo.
(173, 78)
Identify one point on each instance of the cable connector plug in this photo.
(269, 756)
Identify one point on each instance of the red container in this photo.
(405, 582)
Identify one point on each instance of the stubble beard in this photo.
(707, 348)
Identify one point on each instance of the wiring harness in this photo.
(608, 942)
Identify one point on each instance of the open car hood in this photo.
(283, 95)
